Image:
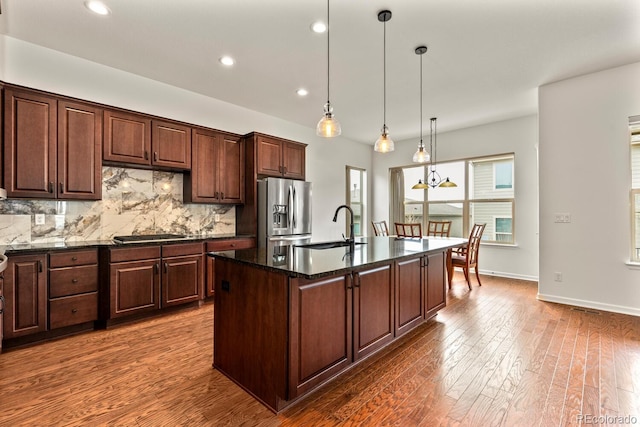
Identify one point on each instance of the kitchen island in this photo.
(288, 319)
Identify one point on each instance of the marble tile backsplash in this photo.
(133, 201)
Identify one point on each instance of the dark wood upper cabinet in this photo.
(29, 144)
(79, 151)
(136, 139)
(127, 138)
(217, 169)
(52, 147)
(171, 145)
(280, 158)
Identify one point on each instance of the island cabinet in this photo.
(136, 139)
(434, 275)
(219, 245)
(144, 279)
(25, 293)
(217, 169)
(410, 294)
(336, 321)
(52, 147)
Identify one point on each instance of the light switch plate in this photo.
(216, 217)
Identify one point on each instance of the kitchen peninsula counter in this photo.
(288, 319)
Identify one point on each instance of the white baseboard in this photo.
(509, 275)
(590, 304)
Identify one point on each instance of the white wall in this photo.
(40, 68)
(584, 171)
(519, 136)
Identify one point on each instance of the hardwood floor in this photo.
(494, 356)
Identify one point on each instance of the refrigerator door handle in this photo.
(295, 208)
(290, 207)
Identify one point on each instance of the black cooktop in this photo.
(139, 238)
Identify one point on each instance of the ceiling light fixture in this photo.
(433, 177)
(302, 92)
(328, 126)
(227, 60)
(97, 7)
(384, 144)
(318, 27)
(421, 156)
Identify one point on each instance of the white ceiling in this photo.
(485, 60)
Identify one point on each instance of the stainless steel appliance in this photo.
(284, 212)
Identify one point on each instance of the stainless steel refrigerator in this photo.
(284, 212)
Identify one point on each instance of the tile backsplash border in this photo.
(134, 201)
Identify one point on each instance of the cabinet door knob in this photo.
(146, 155)
(155, 156)
(74, 310)
(39, 266)
(215, 195)
(74, 258)
(74, 280)
(222, 195)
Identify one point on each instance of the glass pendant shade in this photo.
(328, 126)
(420, 185)
(421, 156)
(384, 144)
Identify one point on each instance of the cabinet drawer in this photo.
(70, 259)
(231, 244)
(73, 310)
(73, 280)
(182, 249)
(135, 254)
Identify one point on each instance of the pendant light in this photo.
(421, 156)
(384, 144)
(328, 126)
(433, 177)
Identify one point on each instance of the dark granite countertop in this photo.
(68, 245)
(314, 263)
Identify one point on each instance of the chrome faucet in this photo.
(350, 239)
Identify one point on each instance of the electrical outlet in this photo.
(216, 217)
(562, 217)
(557, 276)
(39, 219)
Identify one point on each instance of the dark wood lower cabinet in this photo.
(373, 309)
(134, 287)
(435, 275)
(409, 294)
(25, 293)
(182, 271)
(321, 331)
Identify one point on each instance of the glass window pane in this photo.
(635, 166)
(491, 179)
(455, 172)
(411, 177)
(448, 212)
(636, 224)
(355, 188)
(498, 219)
(413, 212)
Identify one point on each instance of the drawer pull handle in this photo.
(74, 258)
(50, 186)
(222, 195)
(74, 310)
(61, 187)
(146, 155)
(155, 156)
(74, 280)
(166, 267)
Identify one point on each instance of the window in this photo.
(484, 194)
(356, 198)
(634, 136)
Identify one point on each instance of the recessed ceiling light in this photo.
(302, 92)
(318, 27)
(227, 60)
(97, 7)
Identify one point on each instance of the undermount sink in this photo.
(328, 245)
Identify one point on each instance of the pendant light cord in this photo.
(384, 77)
(421, 144)
(328, 41)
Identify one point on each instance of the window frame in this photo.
(468, 202)
(634, 246)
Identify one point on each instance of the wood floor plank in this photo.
(495, 356)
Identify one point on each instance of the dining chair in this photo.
(467, 256)
(380, 228)
(408, 229)
(438, 228)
